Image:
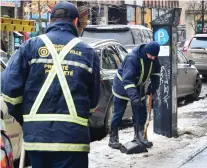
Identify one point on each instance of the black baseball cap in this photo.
(69, 11)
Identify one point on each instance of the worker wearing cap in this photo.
(128, 85)
(50, 86)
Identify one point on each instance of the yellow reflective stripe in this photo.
(67, 62)
(142, 72)
(149, 73)
(14, 101)
(60, 74)
(119, 96)
(92, 110)
(157, 74)
(143, 97)
(56, 117)
(123, 97)
(56, 147)
(50, 77)
(129, 86)
(119, 76)
(2, 125)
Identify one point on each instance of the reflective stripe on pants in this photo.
(123, 97)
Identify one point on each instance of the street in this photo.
(188, 150)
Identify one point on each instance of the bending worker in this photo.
(49, 89)
(128, 85)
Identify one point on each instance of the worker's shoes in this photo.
(114, 139)
(139, 136)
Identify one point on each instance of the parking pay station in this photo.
(165, 100)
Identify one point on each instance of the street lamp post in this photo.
(202, 3)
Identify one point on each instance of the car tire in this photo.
(197, 88)
(108, 117)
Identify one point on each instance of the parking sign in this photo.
(161, 36)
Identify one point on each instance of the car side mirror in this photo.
(191, 62)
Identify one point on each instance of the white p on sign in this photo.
(160, 35)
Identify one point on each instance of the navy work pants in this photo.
(58, 159)
(139, 113)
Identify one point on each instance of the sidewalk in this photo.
(181, 152)
(199, 161)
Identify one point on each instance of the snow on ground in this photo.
(166, 152)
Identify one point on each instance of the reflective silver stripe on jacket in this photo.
(129, 86)
(119, 76)
(157, 74)
(64, 62)
(149, 73)
(142, 72)
(56, 69)
(141, 75)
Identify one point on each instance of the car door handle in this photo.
(187, 65)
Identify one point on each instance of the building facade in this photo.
(191, 17)
(11, 9)
(142, 12)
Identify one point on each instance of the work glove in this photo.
(150, 89)
(137, 102)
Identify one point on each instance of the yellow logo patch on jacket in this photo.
(44, 52)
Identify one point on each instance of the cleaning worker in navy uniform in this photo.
(50, 86)
(128, 85)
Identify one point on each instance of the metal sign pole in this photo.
(165, 101)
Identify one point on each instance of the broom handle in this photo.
(22, 156)
(148, 116)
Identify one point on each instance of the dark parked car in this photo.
(111, 54)
(128, 35)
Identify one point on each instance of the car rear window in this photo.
(138, 36)
(198, 43)
(124, 37)
(147, 36)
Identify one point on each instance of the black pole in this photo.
(142, 14)
(202, 16)
(135, 15)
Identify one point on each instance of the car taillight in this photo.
(185, 49)
(97, 110)
(186, 46)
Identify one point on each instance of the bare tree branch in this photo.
(194, 12)
(94, 7)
